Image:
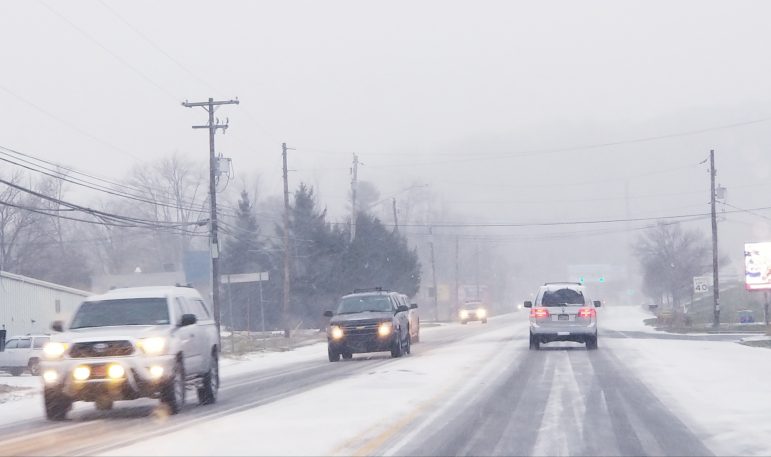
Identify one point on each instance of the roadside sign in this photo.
(702, 284)
(245, 277)
(757, 266)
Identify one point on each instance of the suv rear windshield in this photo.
(376, 303)
(561, 297)
(128, 311)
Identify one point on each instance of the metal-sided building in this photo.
(28, 305)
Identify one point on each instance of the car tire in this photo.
(207, 394)
(591, 343)
(34, 367)
(173, 393)
(484, 321)
(334, 356)
(347, 355)
(408, 346)
(57, 405)
(417, 337)
(463, 322)
(535, 343)
(397, 348)
(16, 371)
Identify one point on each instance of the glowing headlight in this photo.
(481, 312)
(115, 371)
(156, 372)
(336, 332)
(152, 346)
(50, 376)
(385, 329)
(463, 314)
(54, 349)
(81, 373)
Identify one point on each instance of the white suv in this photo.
(563, 312)
(155, 342)
(23, 353)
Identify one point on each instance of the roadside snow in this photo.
(625, 318)
(720, 389)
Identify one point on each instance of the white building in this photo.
(29, 305)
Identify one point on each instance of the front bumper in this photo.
(362, 343)
(137, 382)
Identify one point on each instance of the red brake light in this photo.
(587, 313)
(539, 313)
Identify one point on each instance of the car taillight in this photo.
(587, 313)
(539, 313)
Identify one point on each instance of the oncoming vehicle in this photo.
(153, 342)
(23, 353)
(472, 310)
(562, 312)
(368, 321)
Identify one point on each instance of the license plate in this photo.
(98, 371)
(563, 317)
(563, 333)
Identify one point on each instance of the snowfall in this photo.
(718, 388)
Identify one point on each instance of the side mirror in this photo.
(597, 304)
(188, 319)
(414, 306)
(328, 314)
(57, 326)
(402, 308)
(528, 304)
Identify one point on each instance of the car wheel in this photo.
(591, 343)
(417, 337)
(207, 394)
(463, 322)
(396, 348)
(104, 404)
(347, 355)
(173, 393)
(535, 343)
(334, 356)
(57, 405)
(484, 321)
(16, 371)
(408, 346)
(34, 367)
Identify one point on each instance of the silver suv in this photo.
(563, 312)
(155, 342)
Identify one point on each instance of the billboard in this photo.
(757, 266)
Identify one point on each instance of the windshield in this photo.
(561, 297)
(375, 303)
(129, 311)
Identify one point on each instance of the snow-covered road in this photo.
(465, 390)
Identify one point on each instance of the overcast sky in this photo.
(487, 102)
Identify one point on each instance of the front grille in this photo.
(363, 327)
(101, 349)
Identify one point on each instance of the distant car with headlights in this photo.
(472, 310)
(23, 353)
(140, 342)
(563, 312)
(372, 320)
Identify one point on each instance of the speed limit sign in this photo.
(702, 284)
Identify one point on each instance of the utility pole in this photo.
(477, 269)
(457, 274)
(210, 106)
(354, 188)
(396, 217)
(715, 282)
(287, 250)
(433, 273)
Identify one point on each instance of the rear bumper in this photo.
(557, 330)
(137, 381)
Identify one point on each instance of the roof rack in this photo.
(371, 289)
(562, 282)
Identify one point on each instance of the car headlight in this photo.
(463, 314)
(385, 328)
(55, 350)
(481, 312)
(152, 346)
(336, 332)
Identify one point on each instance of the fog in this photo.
(513, 113)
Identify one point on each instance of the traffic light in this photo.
(581, 279)
(602, 278)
